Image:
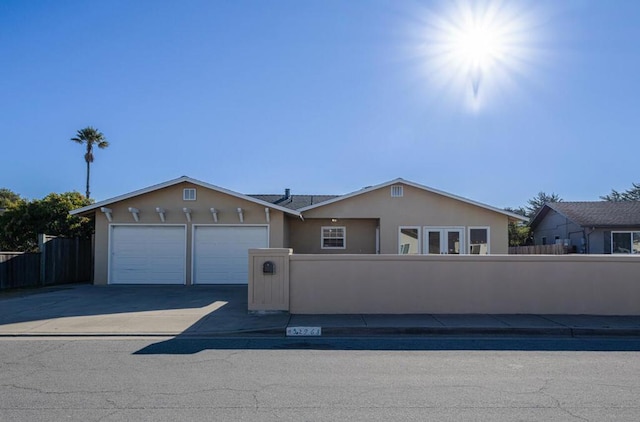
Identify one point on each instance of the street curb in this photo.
(279, 332)
(368, 332)
(614, 332)
(444, 331)
(479, 331)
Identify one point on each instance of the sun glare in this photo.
(474, 48)
(477, 45)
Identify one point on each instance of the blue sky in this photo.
(322, 97)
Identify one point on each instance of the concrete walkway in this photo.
(209, 311)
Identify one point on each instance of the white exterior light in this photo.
(240, 215)
(214, 213)
(266, 213)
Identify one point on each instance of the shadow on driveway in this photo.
(132, 310)
(85, 299)
(203, 318)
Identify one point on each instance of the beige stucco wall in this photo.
(305, 236)
(269, 292)
(416, 207)
(170, 198)
(493, 284)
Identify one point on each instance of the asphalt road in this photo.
(277, 379)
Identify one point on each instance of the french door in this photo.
(444, 240)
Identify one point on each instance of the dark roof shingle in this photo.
(601, 213)
(294, 202)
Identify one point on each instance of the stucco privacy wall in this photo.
(464, 284)
(417, 207)
(269, 291)
(171, 199)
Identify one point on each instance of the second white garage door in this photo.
(220, 253)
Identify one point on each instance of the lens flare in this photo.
(477, 48)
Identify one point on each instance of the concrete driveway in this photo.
(132, 310)
(205, 311)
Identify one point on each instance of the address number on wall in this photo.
(304, 331)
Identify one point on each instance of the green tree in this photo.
(534, 204)
(632, 194)
(21, 223)
(8, 197)
(519, 232)
(90, 137)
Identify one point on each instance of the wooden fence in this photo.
(59, 261)
(19, 269)
(539, 250)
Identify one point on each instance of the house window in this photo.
(334, 237)
(409, 241)
(544, 240)
(479, 240)
(189, 194)
(625, 242)
(397, 191)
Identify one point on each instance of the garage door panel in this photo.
(141, 276)
(221, 253)
(148, 255)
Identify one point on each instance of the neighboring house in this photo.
(589, 227)
(185, 231)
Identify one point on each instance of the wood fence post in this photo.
(42, 242)
(77, 260)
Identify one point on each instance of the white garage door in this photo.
(221, 254)
(148, 255)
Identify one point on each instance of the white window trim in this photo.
(184, 194)
(344, 237)
(630, 233)
(488, 237)
(463, 236)
(419, 228)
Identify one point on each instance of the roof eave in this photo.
(93, 207)
(610, 226)
(511, 215)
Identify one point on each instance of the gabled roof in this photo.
(294, 202)
(182, 179)
(594, 214)
(511, 215)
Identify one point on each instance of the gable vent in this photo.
(397, 191)
(189, 194)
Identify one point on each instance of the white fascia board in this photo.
(172, 182)
(418, 186)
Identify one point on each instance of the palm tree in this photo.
(90, 136)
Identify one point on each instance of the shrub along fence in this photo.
(60, 261)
